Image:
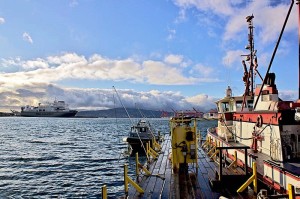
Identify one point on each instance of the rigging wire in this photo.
(234, 134)
(142, 144)
(144, 116)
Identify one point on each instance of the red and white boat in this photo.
(261, 120)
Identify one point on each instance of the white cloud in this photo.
(202, 70)
(172, 34)
(73, 66)
(102, 98)
(2, 20)
(27, 37)
(38, 81)
(288, 95)
(173, 59)
(222, 7)
(202, 100)
(270, 17)
(233, 58)
(73, 3)
(159, 73)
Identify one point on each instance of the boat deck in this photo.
(167, 184)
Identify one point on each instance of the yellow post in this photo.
(211, 150)
(235, 159)
(291, 191)
(255, 176)
(127, 180)
(155, 144)
(104, 192)
(137, 165)
(234, 162)
(253, 179)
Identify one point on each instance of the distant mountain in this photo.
(121, 113)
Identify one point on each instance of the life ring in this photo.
(259, 121)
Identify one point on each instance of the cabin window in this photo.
(250, 104)
(225, 106)
(239, 104)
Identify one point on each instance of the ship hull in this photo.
(136, 145)
(48, 114)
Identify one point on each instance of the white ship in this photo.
(55, 109)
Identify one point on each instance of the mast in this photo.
(249, 74)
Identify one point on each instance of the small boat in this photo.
(264, 123)
(55, 109)
(139, 135)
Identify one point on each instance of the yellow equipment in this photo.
(184, 143)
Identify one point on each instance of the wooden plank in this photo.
(150, 185)
(167, 184)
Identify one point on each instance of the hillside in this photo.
(121, 113)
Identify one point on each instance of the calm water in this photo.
(65, 157)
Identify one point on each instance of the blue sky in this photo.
(160, 54)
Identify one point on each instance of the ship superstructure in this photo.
(261, 120)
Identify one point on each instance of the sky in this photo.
(158, 54)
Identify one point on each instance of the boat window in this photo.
(239, 104)
(250, 104)
(225, 106)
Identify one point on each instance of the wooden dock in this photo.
(163, 183)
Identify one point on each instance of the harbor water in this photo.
(66, 157)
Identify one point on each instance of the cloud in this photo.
(94, 99)
(96, 67)
(27, 37)
(223, 7)
(73, 3)
(171, 35)
(288, 95)
(270, 16)
(204, 71)
(173, 59)
(233, 58)
(37, 80)
(2, 20)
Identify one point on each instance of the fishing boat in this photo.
(55, 109)
(139, 135)
(260, 120)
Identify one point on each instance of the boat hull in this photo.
(137, 146)
(48, 114)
